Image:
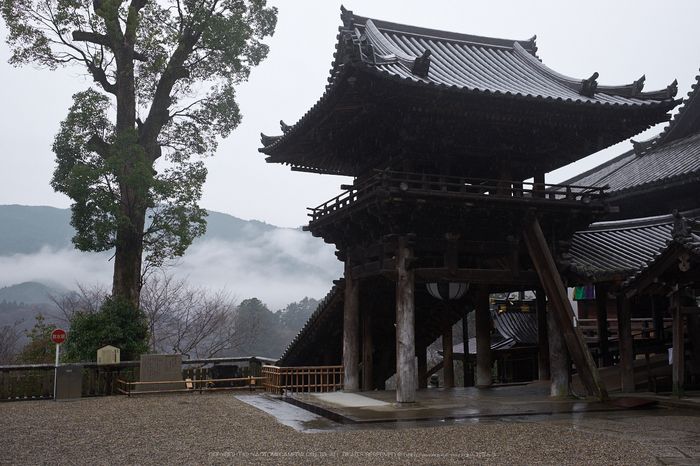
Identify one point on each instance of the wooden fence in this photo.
(283, 380)
(199, 385)
(36, 381)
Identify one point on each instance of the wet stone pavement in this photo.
(670, 430)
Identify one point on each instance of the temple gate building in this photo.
(448, 138)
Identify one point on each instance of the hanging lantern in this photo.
(447, 291)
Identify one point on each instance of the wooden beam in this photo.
(406, 379)
(563, 312)
(485, 276)
(666, 261)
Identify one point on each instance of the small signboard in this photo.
(108, 354)
(58, 336)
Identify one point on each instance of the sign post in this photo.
(58, 336)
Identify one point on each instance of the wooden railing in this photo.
(36, 381)
(389, 183)
(641, 328)
(284, 380)
(200, 385)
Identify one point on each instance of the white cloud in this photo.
(278, 267)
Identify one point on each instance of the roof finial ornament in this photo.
(284, 126)
(347, 17)
(589, 86)
(638, 85)
(672, 89)
(421, 65)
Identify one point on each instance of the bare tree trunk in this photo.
(127, 257)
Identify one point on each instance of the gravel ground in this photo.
(219, 429)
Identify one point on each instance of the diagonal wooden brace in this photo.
(563, 312)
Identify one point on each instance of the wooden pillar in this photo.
(367, 362)
(351, 331)
(559, 359)
(678, 346)
(468, 375)
(539, 184)
(657, 315)
(560, 306)
(624, 331)
(601, 314)
(694, 338)
(406, 379)
(483, 339)
(447, 358)
(542, 335)
(422, 356)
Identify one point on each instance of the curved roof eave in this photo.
(495, 71)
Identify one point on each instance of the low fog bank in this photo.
(278, 267)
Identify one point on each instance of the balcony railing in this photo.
(387, 184)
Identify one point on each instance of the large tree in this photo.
(165, 73)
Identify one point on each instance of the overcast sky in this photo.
(621, 40)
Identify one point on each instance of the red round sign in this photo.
(58, 336)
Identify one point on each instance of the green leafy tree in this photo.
(39, 349)
(117, 322)
(253, 318)
(295, 315)
(166, 72)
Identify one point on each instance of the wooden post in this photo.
(351, 331)
(542, 335)
(657, 316)
(447, 358)
(559, 359)
(422, 356)
(538, 187)
(483, 339)
(367, 362)
(468, 376)
(624, 331)
(406, 379)
(601, 314)
(694, 337)
(560, 306)
(678, 346)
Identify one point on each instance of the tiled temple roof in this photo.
(625, 249)
(478, 64)
(670, 158)
(459, 64)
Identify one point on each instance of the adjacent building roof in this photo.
(623, 250)
(417, 62)
(672, 158)
(517, 325)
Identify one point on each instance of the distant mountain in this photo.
(27, 293)
(229, 228)
(25, 229)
